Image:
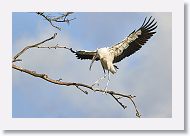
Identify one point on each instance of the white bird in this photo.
(110, 55)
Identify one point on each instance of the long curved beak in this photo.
(93, 59)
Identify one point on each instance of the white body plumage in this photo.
(106, 58)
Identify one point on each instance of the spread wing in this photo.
(134, 41)
(85, 54)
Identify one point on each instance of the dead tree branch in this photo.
(63, 18)
(82, 87)
(31, 46)
(57, 46)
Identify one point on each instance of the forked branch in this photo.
(62, 18)
(31, 46)
(82, 87)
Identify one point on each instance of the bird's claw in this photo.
(105, 90)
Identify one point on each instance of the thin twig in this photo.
(137, 111)
(60, 19)
(122, 105)
(32, 46)
(17, 60)
(81, 89)
(58, 46)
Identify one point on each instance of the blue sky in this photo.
(146, 74)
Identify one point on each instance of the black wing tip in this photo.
(78, 55)
(149, 26)
(148, 22)
(144, 21)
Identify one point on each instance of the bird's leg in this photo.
(100, 79)
(107, 82)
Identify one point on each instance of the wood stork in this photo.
(110, 55)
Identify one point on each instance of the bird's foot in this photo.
(105, 90)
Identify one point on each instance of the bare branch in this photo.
(57, 46)
(15, 60)
(78, 85)
(32, 46)
(124, 106)
(63, 18)
(81, 89)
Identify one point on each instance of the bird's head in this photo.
(94, 58)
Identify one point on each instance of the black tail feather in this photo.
(115, 67)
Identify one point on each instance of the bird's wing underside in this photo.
(85, 54)
(134, 41)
